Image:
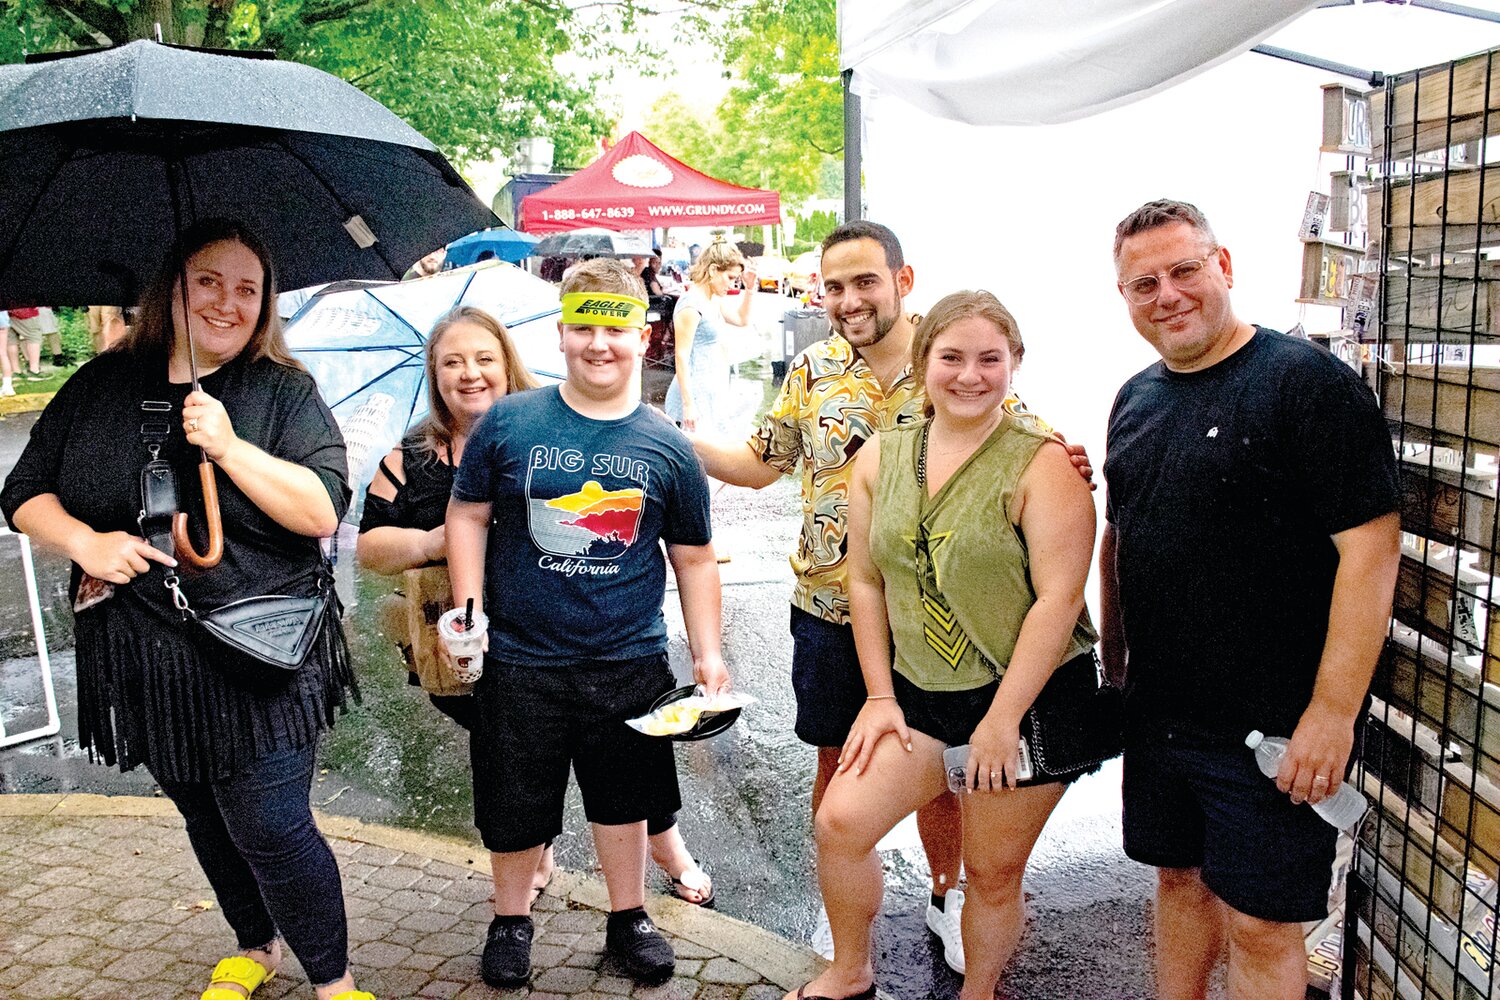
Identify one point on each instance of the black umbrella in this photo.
(107, 156)
(592, 242)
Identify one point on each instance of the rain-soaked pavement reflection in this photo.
(395, 760)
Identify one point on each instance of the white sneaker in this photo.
(6, 389)
(947, 924)
(822, 936)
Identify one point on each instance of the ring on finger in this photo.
(1320, 779)
(193, 424)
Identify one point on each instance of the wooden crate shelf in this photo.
(1419, 304)
(1424, 603)
(1418, 243)
(1409, 840)
(1465, 719)
(1448, 507)
(1428, 115)
(1458, 961)
(1465, 198)
(1328, 267)
(1468, 403)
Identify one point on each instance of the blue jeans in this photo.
(254, 835)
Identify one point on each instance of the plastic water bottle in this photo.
(1343, 809)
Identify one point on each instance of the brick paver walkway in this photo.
(101, 898)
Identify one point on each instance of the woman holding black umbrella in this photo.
(228, 737)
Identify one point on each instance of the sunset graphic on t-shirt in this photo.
(592, 522)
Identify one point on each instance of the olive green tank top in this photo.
(956, 571)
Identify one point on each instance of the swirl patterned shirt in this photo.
(831, 404)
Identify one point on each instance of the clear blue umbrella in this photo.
(499, 243)
(364, 345)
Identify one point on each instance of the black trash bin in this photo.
(801, 328)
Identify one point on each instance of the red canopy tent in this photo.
(634, 185)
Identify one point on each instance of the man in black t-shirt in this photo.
(1249, 558)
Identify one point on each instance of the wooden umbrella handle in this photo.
(183, 542)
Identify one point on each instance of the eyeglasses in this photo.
(1144, 290)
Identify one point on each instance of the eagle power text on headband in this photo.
(602, 309)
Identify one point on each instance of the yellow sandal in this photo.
(353, 995)
(244, 972)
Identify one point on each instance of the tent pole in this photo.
(1452, 8)
(853, 154)
(1373, 77)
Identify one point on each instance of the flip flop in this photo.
(868, 994)
(698, 875)
(246, 973)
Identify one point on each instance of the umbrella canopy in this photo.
(636, 186)
(108, 155)
(593, 242)
(498, 244)
(364, 345)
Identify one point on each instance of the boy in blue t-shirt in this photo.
(558, 508)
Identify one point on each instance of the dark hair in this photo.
(1155, 214)
(949, 310)
(863, 229)
(436, 428)
(153, 333)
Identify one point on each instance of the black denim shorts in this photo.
(534, 723)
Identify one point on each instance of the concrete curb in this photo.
(783, 962)
(29, 402)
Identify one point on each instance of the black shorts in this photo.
(826, 679)
(1192, 804)
(950, 717)
(533, 722)
(947, 716)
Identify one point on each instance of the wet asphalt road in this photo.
(745, 815)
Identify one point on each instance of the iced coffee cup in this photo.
(465, 643)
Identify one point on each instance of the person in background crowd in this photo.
(1246, 573)
(698, 398)
(27, 328)
(7, 366)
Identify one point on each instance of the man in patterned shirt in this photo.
(837, 394)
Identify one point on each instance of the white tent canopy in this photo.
(1015, 62)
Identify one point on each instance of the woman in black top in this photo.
(229, 741)
(471, 362)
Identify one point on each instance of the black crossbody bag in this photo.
(276, 629)
(1076, 723)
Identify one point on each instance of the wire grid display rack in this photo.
(1421, 911)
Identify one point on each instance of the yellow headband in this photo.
(602, 309)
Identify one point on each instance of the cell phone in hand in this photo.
(956, 759)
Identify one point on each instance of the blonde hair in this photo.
(436, 429)
(949, 310)
(717, 256)
(603, 274)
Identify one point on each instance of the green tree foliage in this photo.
(474, 76)
(782, 121)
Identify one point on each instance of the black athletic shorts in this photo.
(1190, 803)
(534, 722)
(826, 679)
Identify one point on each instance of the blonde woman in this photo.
(970, 536)
(698, 398)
